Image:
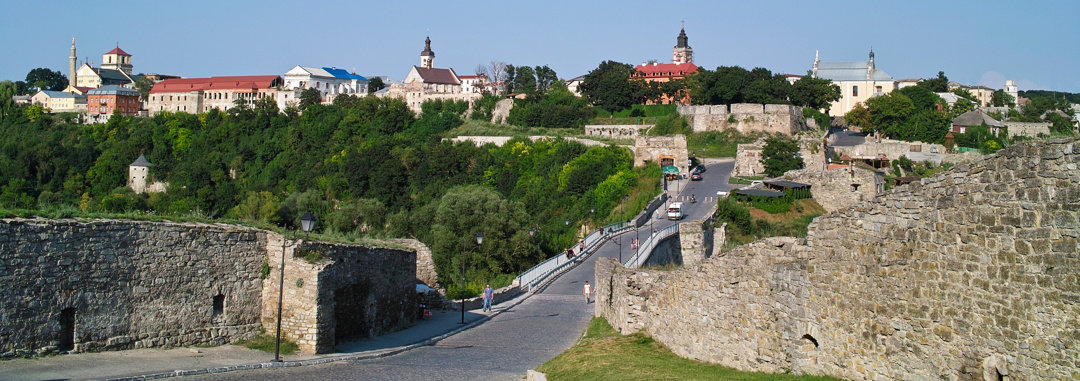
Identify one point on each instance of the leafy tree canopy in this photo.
(780, 155)
(46, 79)
(609, 86)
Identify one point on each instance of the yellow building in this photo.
(858, 82)
(59, 101)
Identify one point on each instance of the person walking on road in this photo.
(488, 295)
(588, 292)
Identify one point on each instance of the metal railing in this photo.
(647, 247)
(536, 275)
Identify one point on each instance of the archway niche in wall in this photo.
(219, 304)
(811, 339)
(67, 329)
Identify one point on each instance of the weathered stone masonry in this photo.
(129, 284)
(970, 274)
(88, 285)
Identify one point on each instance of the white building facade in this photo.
(330, 81)
(858, 81)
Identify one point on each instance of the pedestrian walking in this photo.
(581, 248)
(588, 292)
(567, 252)
(488, 295)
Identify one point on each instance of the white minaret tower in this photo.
(71, 64)
(427, 57)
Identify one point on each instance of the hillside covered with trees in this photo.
(364, 166)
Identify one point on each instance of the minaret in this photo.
(71, 64)
(817, 60)
(427, 56)
(682, 53)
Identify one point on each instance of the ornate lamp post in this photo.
(307, 222)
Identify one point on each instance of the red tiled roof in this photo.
(836, 166)
(446, 76)
(666, 70)
(119, 51)
(177, 85)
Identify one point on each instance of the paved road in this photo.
(845, 138)
(509, 344)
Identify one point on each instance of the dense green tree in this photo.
(939, 84)
(1002, 99)
(609, 86)
(375, 84)
(557, 109)
(815, 93)
(309, 97)
(545, 77)
(525, 81)
(46, 79)
(144, 84)
(780, 155)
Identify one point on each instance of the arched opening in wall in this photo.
(811, 339)
(219, 304)
(67, 329)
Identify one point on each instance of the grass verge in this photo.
(604, 354)
(265, 343)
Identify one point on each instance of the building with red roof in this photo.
(682, 65)
(426, 82)
(197, 95)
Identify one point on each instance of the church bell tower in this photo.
(682, 52)
(427, 57)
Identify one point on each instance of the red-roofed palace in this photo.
(196, 95)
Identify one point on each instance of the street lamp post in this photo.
(618, 241)
(307, 222)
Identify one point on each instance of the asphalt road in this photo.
(511, 343)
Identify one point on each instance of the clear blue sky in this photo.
(973, 42)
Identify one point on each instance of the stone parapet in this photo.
(965, 274)
(616, 131)
(745, 118)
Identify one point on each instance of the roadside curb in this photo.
(366, 355)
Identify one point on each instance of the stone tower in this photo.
(71, 64)
(682, 53)
(117, 59)
(427, 57)
(1012, 90)
(137, 172)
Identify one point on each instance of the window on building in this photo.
(854, 91)
(877, 89)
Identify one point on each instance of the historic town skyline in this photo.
(973, 43)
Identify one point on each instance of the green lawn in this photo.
(604, 354)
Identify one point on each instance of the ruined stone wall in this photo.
(130, 284)
(892, 149)
(968, 274)
(355, 292)
(616, 131)
(748, 156)
(839, 189)
(111, 285)
(1027, 129)
(745, 118)
(651, 148)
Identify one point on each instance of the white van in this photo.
(674, 211)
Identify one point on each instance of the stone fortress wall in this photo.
(970, 274)
(1028, 129)
(89, 285)
(745, 118)
(617, 131)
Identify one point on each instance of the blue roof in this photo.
(60, 94)
(342, 74)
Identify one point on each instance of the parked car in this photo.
(695, 176)
(700, 168)
(755, 183)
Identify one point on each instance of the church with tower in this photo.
(682, 65)
(115, 69)
(427, 82)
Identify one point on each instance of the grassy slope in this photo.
(604, 354)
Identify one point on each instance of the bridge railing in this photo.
(536, 275)
(647, 247)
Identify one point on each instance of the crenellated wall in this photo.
(966, 275)
(89, 285)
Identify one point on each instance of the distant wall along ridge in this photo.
(972, 274)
